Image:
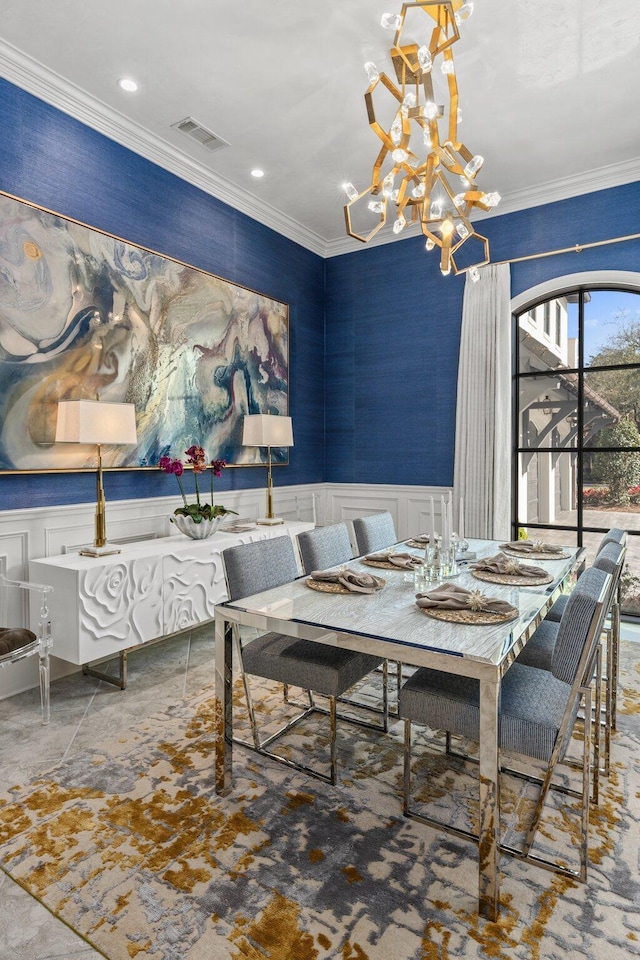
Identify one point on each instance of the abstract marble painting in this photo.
(83, 313)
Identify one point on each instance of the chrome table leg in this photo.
(224, 707)
(489, 840)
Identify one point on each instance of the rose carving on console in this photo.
(197, 520)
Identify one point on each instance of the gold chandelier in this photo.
(439, 191)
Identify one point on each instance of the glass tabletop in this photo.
(391, 614)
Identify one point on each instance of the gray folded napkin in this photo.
(449, 596)
(513, 568)
(531, 546)
(405, 561)
(355, 582)
(422, 538)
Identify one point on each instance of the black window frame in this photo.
(579, 529)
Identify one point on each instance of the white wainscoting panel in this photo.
(50, 531)
(409, 506)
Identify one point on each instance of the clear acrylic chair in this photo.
(18, 642)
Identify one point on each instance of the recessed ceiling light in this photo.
(257, 173)
(126, 83)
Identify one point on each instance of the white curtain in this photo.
(482, 473)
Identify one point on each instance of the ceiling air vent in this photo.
(200, 134)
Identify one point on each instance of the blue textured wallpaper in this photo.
(374, 334)
(393, 336)
(393, 333)
(50, 159)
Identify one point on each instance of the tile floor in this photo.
(83, 712)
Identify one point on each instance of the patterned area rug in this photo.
(131, 847)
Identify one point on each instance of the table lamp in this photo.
(267, 430)
(97, 422)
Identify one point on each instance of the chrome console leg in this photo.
(120, 680)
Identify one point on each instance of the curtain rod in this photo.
(578, 248)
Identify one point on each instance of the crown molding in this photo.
(49, 86)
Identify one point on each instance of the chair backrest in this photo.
(253, 567)
(374, 532)
(610, 557)
(324, 547)
(574, 629)
(577, 642)
(614, 535)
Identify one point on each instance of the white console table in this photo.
(105, 606)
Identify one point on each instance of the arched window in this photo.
(577, 421)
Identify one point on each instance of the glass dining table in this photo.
(389, 624)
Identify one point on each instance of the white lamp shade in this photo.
(96, 421)
(267, 430)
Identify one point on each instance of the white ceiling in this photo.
(549, 91)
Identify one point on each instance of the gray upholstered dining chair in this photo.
(324, 547)
(537, 712)
(613, 536)
(17, 642)
(374, 532)
(315, 667)
(327, 547)
(539, 650)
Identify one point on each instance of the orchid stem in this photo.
(184, 499)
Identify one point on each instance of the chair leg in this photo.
(406, 792)
(45, 684)
(615, 672)
(385, 696)
(247, 690)
(544, 789)
(608, 710)
(596, 727)
(586, 761)
(333, 774)
(535, 820)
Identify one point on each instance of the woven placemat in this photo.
(387, 565)
(479, 618)
(535, 555)
(416, 544)
(323, 586)
(511, 578)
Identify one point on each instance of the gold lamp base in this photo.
(269, 520)
(100, 546)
